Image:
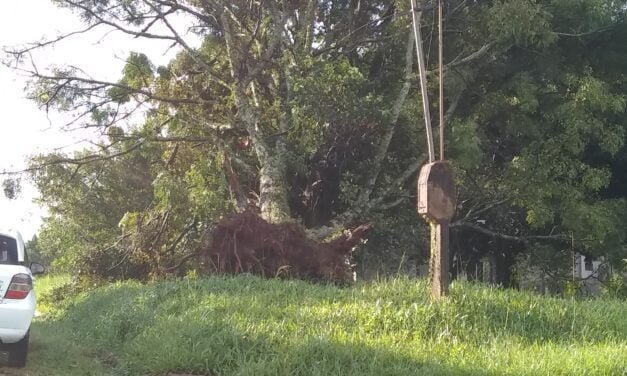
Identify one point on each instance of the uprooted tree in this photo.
(308, 111)
(245, 243)
(275, 100)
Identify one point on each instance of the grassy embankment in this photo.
(250, 326)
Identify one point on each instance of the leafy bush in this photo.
(617, 285)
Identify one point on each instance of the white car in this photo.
(17, 298)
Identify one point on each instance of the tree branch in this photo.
(33, 46)
(85, 160)
(192, 52)
(578, 35)
(338, 223)
(486, 208)
(469, 58)
(119, 27)
(246, 113)
(66, 80)
(473, 56)
(410, 171)
(392, 204)
(181, 262)
(382, 150)
(520, 239)
(453, 106)
(270, 49)
(207, 18)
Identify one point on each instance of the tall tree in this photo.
(252, 79)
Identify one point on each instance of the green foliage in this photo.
(34, 251)
(138, 71)
(616, 287)
(465, 144)
(601, 222)
(520, 22)
(45, 91)
(536, 129)
(53, 293)
(86, 203)
(329, 95)
(247, 325)
(11, 188)
(549, 121)
(167, 190)
(137, 74)
(207, 190)
(395, 246)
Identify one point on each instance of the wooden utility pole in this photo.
(436, 182)
(437, 204)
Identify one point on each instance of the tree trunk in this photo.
(272, 190)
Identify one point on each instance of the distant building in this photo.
(590, 272)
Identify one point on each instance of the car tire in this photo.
(18, 352)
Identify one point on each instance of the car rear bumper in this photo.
(12, 335)
(15, 318)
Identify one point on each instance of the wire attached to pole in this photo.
(441, 70)
(416, 15)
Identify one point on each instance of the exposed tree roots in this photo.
(245, 243)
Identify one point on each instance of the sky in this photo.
(27, 130)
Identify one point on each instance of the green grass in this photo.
(44, 288)
(53, 349)
(250, 326)
(44, 284)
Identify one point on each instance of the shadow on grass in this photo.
(53, 351)
(322, 357)
(539, 319)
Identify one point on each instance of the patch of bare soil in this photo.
(8, 371)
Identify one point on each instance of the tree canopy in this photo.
(309, 111)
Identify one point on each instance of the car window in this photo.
(8, 250)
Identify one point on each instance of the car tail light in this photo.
(20, 286)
